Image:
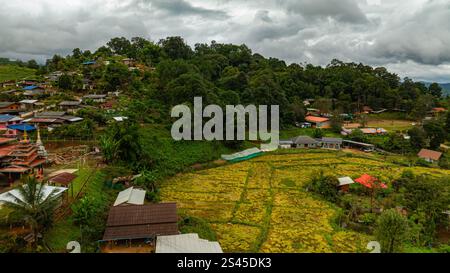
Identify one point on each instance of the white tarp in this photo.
(130, 196)
(345, 181)
(10, 196)
(186, 243)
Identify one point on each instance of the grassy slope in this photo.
(14, 72)
(171, 156)
(64, 230)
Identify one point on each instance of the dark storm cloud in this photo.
(341, 10)
(180, 8)
(410, 37)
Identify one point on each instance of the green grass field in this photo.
(14, 72)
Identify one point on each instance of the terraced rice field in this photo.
(261, 206)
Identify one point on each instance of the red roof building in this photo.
(320, 122)
(370, 182)
(429, 155)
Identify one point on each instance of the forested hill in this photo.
(174, 73)
(445, 87)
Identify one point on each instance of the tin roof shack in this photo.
(7, 84)
(70, 106)
(63, 179)
(130, 196)
(285, 144)
(319, 122)
(7, 107)
(429, 155)
(344, 183)
(137, 223)
(186, 243)
(331, 143)
(305, 142)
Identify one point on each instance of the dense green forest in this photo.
(231, 74)
(171, 72)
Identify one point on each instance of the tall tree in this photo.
(391, 231)
(34, 207)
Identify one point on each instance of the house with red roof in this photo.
(318, 122)
(429, 155)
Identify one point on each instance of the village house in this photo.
(63, 179)
(318, 122)
(429, 155)
(28, 82)
(70, 106)
(6, 120)
(52, 119)
(95, 98)
(54, 76)
(10, 83)
(128, 62)
(18, 130)
(331, 143)
(87, 63)
(344, 183)
(27, 105)
(33, 91)
(305, 142)
(88, 84)
(285, 144)
(9, 107)
(139, 223)
(437, 111)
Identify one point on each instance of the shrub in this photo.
(324, 185)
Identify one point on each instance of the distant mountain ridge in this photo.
(445, 87)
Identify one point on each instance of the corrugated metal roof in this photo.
(141, 221)
(186, 243)
(130, 196)
(304, 140)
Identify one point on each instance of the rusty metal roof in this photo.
(141, 221)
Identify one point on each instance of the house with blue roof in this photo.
(89, 63)
(31, 87)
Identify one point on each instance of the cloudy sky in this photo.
(411, 38)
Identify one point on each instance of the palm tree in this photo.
(33, 207)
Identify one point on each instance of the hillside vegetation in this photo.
(14, 72)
